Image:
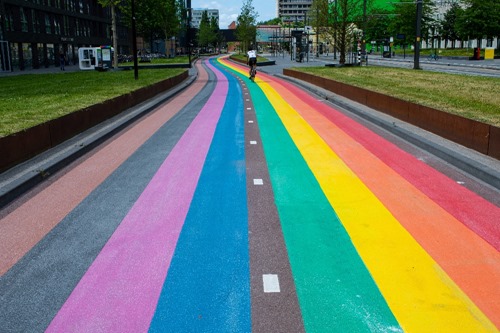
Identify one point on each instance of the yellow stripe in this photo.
(421, 295)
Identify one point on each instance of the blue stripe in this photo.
(208, 283)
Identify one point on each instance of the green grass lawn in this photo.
(32, 99)
(244, 57)
(469, 96)
(444, 52)
(160, 61)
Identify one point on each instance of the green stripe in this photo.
(335, 290)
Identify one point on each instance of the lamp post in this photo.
(416, 59)
(134, 42)
(363, 36)
(188, 30)
(335, 34)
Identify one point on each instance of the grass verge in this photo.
(32, 99)
(471, 97)
(244, 57)
(159, 61)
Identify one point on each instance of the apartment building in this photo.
(196, 15)
(293, 10)
(33, 32)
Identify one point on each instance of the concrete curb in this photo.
(479, 170)
(22, 177)
(473, 134)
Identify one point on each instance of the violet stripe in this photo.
(120, 290)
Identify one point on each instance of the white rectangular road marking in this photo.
(250, 121)
(258, 182)
(253, 142)
(249, 108)
(271, 283)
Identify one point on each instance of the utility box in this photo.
(477, 53)
(489, 53)
(104, 58)
(98, 58)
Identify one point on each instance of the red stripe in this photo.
(475, 212)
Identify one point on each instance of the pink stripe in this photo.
(120, 290)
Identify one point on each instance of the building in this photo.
(293, 10)
(196, 15)
(34, 32)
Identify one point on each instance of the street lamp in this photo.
(418, 36)
(188, 30)
(134, 42)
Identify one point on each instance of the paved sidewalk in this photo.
(44, 70)
(285, 61)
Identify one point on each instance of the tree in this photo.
(448, 28)
(214, 28)
(346, 13)
(274, 21)
(405, 19)
(320, 13)
(169, 19)
(154, 18)
(378, 24)
(481, 18)
(113, 4)
(205, 34)
(246, 29)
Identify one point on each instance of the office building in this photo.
(293, 10)
(33, 32)
(196, 15)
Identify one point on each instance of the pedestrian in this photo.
(62, 59)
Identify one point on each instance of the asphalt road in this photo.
(487, 68)
(241, 206)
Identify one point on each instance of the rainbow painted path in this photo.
(249, 207)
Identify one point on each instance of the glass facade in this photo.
(35, 30)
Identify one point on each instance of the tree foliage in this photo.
(404, 21)
(479, 19)
(204, 31)
(321, 19)
(246, 28)
(345, 14)
(274, 21)
(112, 4)
(154, 18)
(448, 27)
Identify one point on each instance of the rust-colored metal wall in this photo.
(26, 144)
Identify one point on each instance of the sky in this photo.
(230, 9)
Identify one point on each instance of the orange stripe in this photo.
(27, 225)
(472, 263)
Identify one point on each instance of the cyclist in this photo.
(251, 60)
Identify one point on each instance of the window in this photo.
(48, 29)
(9, 21)
(66, 25)
(24, 21)
(35, 23)
(57, 26)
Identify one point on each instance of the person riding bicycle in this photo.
(251, 59)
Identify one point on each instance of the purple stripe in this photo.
(120, 290)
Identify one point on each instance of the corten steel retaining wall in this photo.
(21, 146)
(479, 136)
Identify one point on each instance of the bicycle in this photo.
(433, 56)
(253, 72)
